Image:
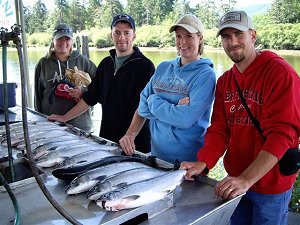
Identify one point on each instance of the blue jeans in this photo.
(262, 209)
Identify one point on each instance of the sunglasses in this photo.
(69, 31)
(123, 16)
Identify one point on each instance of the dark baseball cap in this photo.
(123, 17)
(62, 30)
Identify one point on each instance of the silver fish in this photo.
(17, 139)
(41, 147)
(85, 158)
(17, 134)
(31, 125)
(63, 155)
(53, 145)
(123, 178)
(88, 179)
(38, 136)
(33, 129)
(141, 193)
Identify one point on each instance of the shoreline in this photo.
(167, 49)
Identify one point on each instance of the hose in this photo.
(13, 199)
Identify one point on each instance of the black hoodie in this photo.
(119, 93)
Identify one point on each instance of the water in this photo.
(219, 58)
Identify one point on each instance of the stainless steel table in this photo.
(190, 203)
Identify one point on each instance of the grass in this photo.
(218, 173)
(295, 200)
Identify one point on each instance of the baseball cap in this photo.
(123, 17)
(235, 19)
(189, 22)
(62, 30)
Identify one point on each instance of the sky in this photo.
(241, 3)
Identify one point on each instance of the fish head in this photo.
(49, 155)
(78, 185)
(116, 202)
(99, 189)
(67, 162)
(39, 151)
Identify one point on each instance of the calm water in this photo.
(219, 58)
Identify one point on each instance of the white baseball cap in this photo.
(189, 22)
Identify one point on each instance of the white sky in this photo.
(241, 3)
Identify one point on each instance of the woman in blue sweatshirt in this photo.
(178, 98)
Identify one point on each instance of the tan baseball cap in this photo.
(189, 22)
(235, 19)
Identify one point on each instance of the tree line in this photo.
(278, 27)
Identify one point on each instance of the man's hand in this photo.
(193, 168)
(127, 144)
(230, 187)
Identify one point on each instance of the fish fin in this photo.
(82, 161)
(120, 185)
(167, 191)
(101, 177)
(52, 148)
(132, 197)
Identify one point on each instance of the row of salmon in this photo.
(114, 181)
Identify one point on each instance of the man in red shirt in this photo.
(270, 87)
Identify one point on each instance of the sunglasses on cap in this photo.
(123, 16)
(69, 31)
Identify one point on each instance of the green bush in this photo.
(153, 36)
(295, 200)
(39, 39)
(270, 36)
(279, 36)
(100, 37)
(210, 38)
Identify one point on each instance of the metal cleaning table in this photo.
(190, 203)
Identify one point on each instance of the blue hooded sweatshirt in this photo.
(177, 131)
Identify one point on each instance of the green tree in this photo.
(226, 6)
(161, 9)
(148, 4)
(180, 8)
(285, 11)
(109, 9)
(27, 14)
(93, 14)
(62, 9)
(36, 18)
(137, 11)
(77, 12)
(206, 12)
